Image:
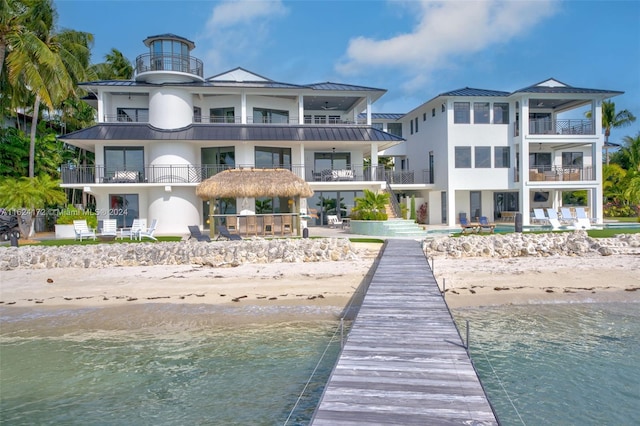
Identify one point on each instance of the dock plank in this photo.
(404, 361)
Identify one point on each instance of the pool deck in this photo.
(404, 361)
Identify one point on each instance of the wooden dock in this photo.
(404, 361)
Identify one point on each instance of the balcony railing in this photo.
(273, 120)
(560, 173)
(186, 174)
(561, 127)
(167, 62)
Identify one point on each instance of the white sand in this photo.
(469, 282)
(490, 281)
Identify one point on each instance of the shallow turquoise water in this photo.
(567, 364)
(169, 373)
(562, 364)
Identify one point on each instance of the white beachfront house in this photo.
(163, 132)
(494, 153)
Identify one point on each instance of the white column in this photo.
(300, 109)
(243, 107)
(374, 159)
(524, 161)
(369, 111)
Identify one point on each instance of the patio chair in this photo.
(133, 232)
(582, 221)
(109, 228)
(554, 220)
(333, 221)
(252, 224)
(268, 225)
(82, 230)
(485, 225)
(287, 224)
(567, 217)
(195, 233)
(540, 217)
(223, 232)
(468, 227)
(148, 232)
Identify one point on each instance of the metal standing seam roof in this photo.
(469, 91)
(566, 89)
(240, 132)
(230, 83)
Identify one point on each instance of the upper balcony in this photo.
(169, 62)
(547, 126)
(133, 115)
(193, 174)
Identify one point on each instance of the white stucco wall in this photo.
(170, 108)
(175, 210)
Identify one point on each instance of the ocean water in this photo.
(561, 364)
(163, 365)
(558, 364)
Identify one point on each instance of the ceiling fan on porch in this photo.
(327, 107)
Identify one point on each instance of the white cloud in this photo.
(238, 29)
(444, 30)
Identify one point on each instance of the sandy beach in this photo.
(467, 281)
(471, 282)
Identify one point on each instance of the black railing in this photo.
(236, 119)
(167, 62)
(561, 127)
(181, 173)
(560, 173)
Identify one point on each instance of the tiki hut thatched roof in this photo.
(236, 183)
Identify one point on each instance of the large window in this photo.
(540, 161)
(121, 159)
(331, 161)
(395, 129)
(461, 112)
(500, 113)
(133, 115)
(483, 157)
(572, 159)
(481, 112)
(270, 157)
(222, 115)
(463, 157)
(262, 115)
(217, 159)
(501, 158)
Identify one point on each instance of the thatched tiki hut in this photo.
(254, 183)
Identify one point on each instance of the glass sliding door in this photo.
(217, 159)
(124, 159)
(272, 157)
(124, 208)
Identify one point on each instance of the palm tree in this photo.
(612, 119)
(629, 154)
(29, 195)
(116, 67)
(46, 62)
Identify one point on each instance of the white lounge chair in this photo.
(148, 232)
(82, 230)
(109, 228)
(567, 217)
(333, 221)
(554, 220)
(539, 216)
(136, 226)
(582, 221)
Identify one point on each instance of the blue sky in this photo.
(413, 49)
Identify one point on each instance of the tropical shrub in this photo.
(422, 213)
(69, 214)
(371, 206)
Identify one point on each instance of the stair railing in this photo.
(393, 200)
